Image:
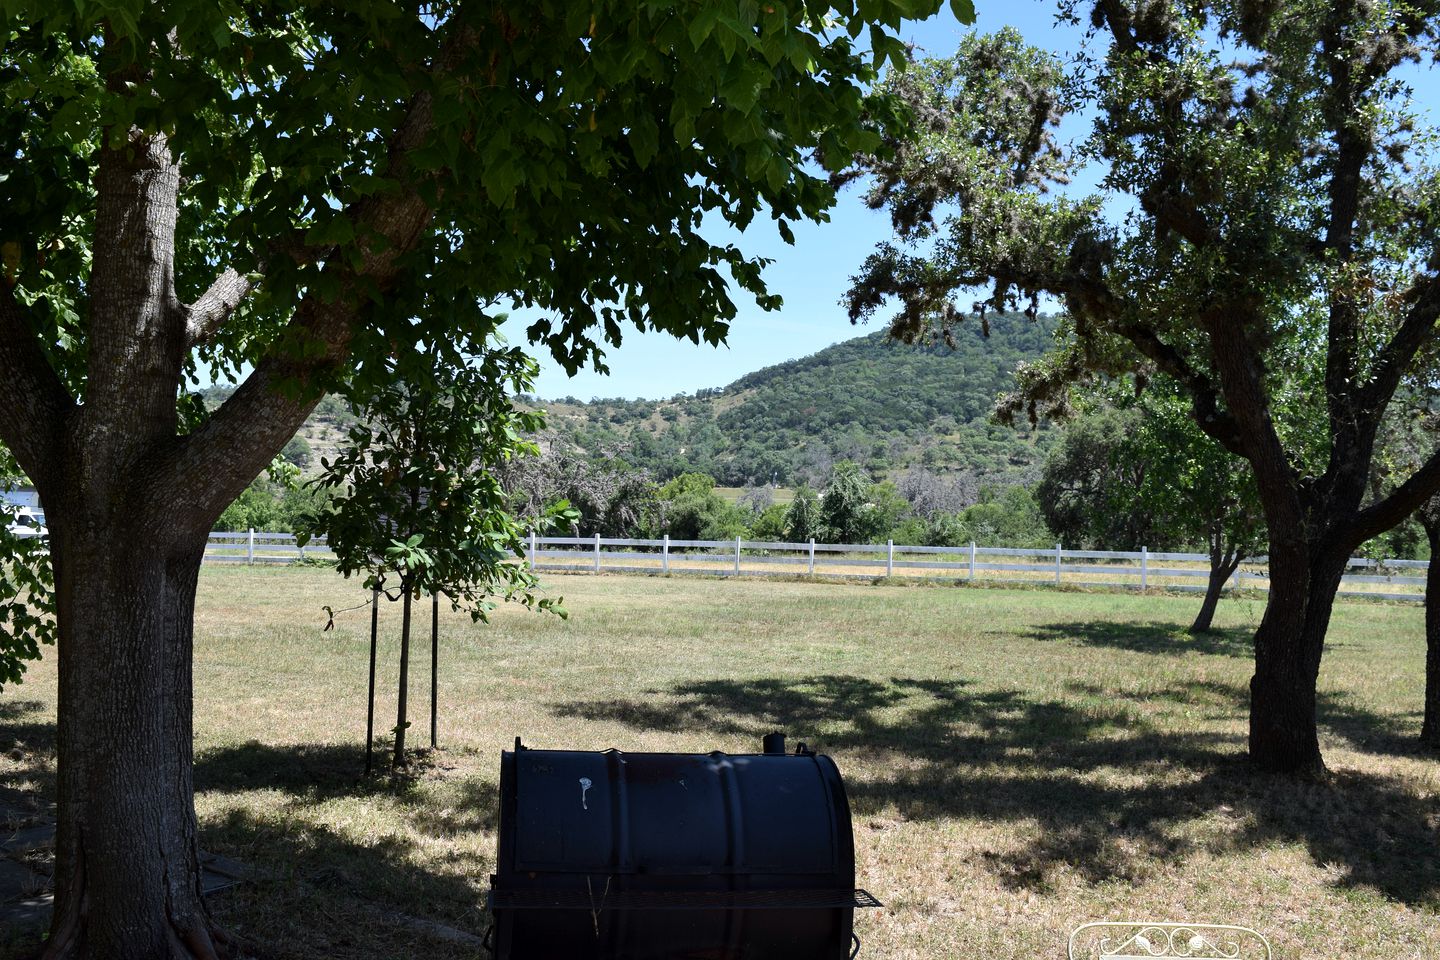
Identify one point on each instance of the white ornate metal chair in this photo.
(1144, 940)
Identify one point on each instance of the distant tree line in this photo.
(614, 499)
(1125, 473)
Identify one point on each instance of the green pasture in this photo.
(1018, 761)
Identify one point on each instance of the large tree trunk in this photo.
(1288, 647)
(1430, 729)
(127, 861)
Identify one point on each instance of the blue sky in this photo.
(811, 276)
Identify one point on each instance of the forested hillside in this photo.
(882, 404)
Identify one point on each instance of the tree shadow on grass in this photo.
(1112, 795)
(1339, 713)
(27, 773)
(1155, 636)
(336, 893)
(310, 773)
(310, 885)
(1370, 731)
(316, 891)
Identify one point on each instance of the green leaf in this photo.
(964, 10)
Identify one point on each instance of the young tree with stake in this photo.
(416, 504)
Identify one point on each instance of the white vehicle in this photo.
(28, 523)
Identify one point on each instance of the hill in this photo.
(883, 404)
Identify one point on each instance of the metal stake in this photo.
(370, 716)
(434, 660)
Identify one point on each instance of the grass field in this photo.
(1018, 762)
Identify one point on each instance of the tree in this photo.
(1429, 514)
(415, 503)
(932, 494)
(769, 524)
(1408, 438)
(1008, 518)
(288, 194)
(846, 514)
(757, 499)
(1086, 476)
(1135, 470)
(1193, 489)
(802, 517)
(690, 509)
(1279, 261)
(609, 498)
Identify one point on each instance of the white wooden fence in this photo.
(1137, 570)
(250, 546)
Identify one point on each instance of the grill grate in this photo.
(679, 899)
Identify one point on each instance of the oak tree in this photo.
(1273, 208)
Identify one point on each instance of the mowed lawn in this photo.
(1018, 761)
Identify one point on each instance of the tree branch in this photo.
(1417, 328)
(1094, 298)
(205, 317)
(1239, 367)
(1374, 520)
(1210, 416)
(217, 462)
(34, 403)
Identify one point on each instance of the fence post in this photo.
(1144, 568)
(597, 553)
(665, 555)
(534, 553)
(972, 559)
(250, 547)
(737, 554)
(1235, 580)
(889, 558)
(1057, 564)
(812, 556)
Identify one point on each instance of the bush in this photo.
(298, 452)
(769, 524)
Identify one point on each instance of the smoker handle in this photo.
(855, 948)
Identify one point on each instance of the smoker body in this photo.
(646, 856)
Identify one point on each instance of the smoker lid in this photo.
(626, 813)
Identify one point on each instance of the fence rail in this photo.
(253, 546)
(1136, 570)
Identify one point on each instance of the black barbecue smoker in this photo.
(645, 856)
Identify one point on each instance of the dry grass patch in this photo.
(1018, 762)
